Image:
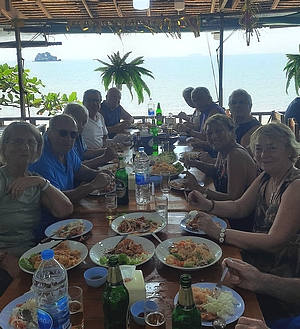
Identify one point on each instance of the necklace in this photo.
(275, 188)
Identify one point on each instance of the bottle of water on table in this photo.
(50, 286)
(151, 108)
(142, 183)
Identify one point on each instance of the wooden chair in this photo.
(294, 126)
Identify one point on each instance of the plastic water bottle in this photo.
(151, 108)
(50, 286)
(142, 183)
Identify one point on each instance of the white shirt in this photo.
(94, 131)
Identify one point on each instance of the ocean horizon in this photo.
(261, 75)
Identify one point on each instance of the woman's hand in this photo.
(18, 186)
(243, 274)
(189, 162)
(206, 224)
(190, 181)
(248, 323)
(11, 265)
(196, 198)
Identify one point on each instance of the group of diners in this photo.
(252, 166)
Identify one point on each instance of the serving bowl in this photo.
(137, 309)
(95, 276)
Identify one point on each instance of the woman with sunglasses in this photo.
(22, 193)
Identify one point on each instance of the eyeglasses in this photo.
(18, 142)
(94, 100)
(238, 102)
(65, 133)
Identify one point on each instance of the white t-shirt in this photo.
(94, 131)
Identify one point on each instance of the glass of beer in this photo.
(76, 307)
(154, 312)
(111, 206)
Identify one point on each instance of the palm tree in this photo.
(292, 69)
(118, 72)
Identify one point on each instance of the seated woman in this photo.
(22, 193)
(274, 245)
(233, 172)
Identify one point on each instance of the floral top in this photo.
(286, 263)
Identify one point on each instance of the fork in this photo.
(218, 287)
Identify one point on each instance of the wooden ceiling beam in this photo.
(223, 4)
(235, 4)
(212, 6)
(9, 12)
(43, 9)
(87, 8)
(275, 4)
(118, 9)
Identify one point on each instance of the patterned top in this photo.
(286, 263)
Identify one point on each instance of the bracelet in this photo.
(222, 235)
(212, 206)
(2, 256)
(47, 184)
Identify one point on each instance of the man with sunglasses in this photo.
(91, 157)
(61, 165)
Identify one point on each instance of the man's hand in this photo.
(101, 180)
(248, 323)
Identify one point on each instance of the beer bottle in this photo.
(186, 314)
(159, 117)
(122, 183)
(115, 297)
(154, 131)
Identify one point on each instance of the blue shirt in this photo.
(48, 166)
(80, 147)
(111, 117)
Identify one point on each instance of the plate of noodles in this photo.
(229, 305)
(69, 253)
(188, 252)
(68, 229)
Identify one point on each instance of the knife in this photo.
(111, 251)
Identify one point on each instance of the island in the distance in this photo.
(46, 57)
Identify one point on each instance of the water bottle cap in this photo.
(141, 148)
(47, 254)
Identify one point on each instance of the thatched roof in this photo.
(119, 16)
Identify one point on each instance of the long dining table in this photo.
(159, 278)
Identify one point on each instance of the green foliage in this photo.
(292, 69)
(118, 72)
(52, 103)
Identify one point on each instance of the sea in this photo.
(262, 75)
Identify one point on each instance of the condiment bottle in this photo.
(115, 298)
(186, 315)
(122, 183)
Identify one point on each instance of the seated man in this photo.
(113, 113)
(95, 131)
(192, 120)
(293, 111)
(240, 104)
(60, 163)
(91, 157)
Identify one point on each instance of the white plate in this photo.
(54, 227)
(238, 309)
(148, 215)
(73, 245)
(190, 154)
(104, 191)
(6, 312)
(110, 166)
(102, 247)
(200, 232)
(162, 251)
(179, 180)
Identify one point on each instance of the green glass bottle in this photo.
(154, 132)
(159, 117)
(115, 298)
(186, 315)
(122, 183)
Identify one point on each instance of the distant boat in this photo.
(46, 57)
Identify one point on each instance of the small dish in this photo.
(156, 179)
(137, 309)
(95, 276)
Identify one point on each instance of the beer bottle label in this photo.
(120, 188)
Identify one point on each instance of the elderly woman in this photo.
(233, 172)
(22, 193)
(274, 244)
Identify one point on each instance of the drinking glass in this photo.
(165, 181)
(111, 206)
(76, 307)
(165, 146)
(154, 311)
(161, 206)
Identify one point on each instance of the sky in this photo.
(87, 46)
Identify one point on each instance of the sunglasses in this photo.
(65, 133)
